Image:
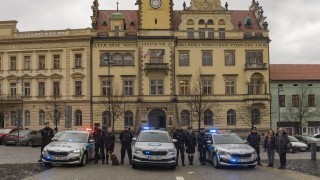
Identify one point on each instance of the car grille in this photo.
(58, 153)
(157, 153)
(240, 155)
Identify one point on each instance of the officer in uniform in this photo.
(180, 136)
(109, 140)
(191, 143)
(254, 140)
(126, 139)
(98, 136)
(202, 146)
(47, 134)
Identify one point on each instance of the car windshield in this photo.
(5, 131)
(293, 139)
(227, 139)
(56, 135)
(154, 137)
(21, 132)
(73, 137)
(311, 138)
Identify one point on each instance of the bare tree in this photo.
(55, 110)
(301, 108)
(253, 113)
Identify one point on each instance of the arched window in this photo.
(42, 118)
(106, 118)
(13, 118)
(201, 22)
(255, 116)
(210, 22)
(190, 22)
(117, 59)
(255, 86)
(128, 118)
(185, 117)
(78, 118)
(231, 117)
(27, 118)
(222, 22)
(128, 59)
(208, 117)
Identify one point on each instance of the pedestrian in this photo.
(109, 140)
(202, 146)
(180, 136)
(282, 142)
(269, 146)
(47, 134)
(126, 139)
(254, 140)
(191, 143)
(98, 136)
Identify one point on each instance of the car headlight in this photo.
(223, 152)
(45, 150)
(137, 149)
(172, 150)
(77, 151)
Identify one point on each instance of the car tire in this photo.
(251, 166)
(215, 161)
(30, 143)
(134, 166)
(84, 159)
(5, 143)
(291, 150)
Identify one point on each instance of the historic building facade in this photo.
(171, 67)
(295, 98)
(43, 72)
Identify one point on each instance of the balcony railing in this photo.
(156, 66)
(256, 66)
(9, 97)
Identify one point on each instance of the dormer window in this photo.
(247, 22)
(116, 31)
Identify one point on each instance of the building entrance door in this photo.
(157, 119)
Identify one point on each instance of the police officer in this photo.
(191, 143)
(109, 140)
(202, 146)
(254, 140)
(47, 134)
(98, 136)
(180, 136)
(126, 139)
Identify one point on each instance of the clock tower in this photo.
(155, 14)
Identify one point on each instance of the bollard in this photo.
(313, 150)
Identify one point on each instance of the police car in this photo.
(71, 147)
(228, 149)
(154, 147)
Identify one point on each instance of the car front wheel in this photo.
(215, 161)
(30, 143)
(84, 159)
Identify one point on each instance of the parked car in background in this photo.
(296, 145)
(26, 138)
(317, 136)
(5, 132)
(308, 140)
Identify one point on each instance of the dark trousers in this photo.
(124, 148)
(42, 147)
(257, 148)
(283, 159)
(99, 147)
(180, 149)
(202, 155)
(109, 149)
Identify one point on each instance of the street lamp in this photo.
(20, 119)
(107, 58)
(279, 89)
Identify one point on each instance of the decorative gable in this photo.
(55, 76)
(40, 76)
(78, 75)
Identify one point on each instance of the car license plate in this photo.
(242, 160)
(58, 158)
(154, 158)
(303, 149)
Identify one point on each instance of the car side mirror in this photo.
(91, 141)
(209, 142)
(54, 139)
(245, 141)
(174, 140)
(134, 139)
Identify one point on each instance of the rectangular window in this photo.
(156, 87)
(26, 62)
(230, 87)
(78, 61)
(229, 58)
(210, 33)
(13, 89)
(282, 101)
(156, 56)
(56, 88)
(42, 88)
(78, 86)
(0, 63)
(128, 87)
(206, 58)
(190, 33)
(222, 33)
(183, 58)
(207, 86)
(106, 87)
(295, 100)
(254, 57)
(13, 63)
(184, 87)
(42, 61)
(116, 31)
(202, 33)
(56, 61)
(26, 89)
(311, 100)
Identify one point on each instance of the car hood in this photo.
(154, 145)
(235, 148)
(64, 146)
(299, 144)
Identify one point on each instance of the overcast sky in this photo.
(294, 24)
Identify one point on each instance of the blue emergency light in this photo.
(146, 128)
(213, 131)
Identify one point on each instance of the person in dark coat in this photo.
(191, 143)
(98, 136)
(47, 134)
(180, 136)
(109, 140)
(202, 146)
(282, 142)
(126, 140)
(254, 140)
(269, 146)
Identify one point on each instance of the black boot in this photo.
(107, 159)
(182, 160)
(191, 160)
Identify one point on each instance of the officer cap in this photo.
(254, 128)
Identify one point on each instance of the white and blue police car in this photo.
(228, 149)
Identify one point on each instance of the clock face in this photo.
(155, 3)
